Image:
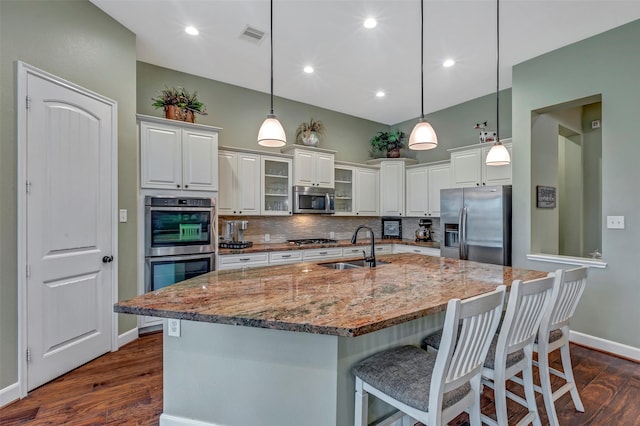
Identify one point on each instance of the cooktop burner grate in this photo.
(305, 241)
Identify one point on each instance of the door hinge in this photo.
(28, 355)
(28, 186)
(27, 102)
(28, 271)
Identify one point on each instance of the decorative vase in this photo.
(172, 112)
(189, 116)
(394, 152)
(310, 139)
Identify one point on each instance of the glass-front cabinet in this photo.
(276, 186)
(344, 195)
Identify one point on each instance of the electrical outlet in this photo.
(368, 234)
(267, 238)
(615, 222)
(173, 326)
(123, 215)
(332, 234)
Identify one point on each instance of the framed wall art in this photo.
(545, 197)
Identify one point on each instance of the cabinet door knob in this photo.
(186, 186)
(107, 259)
(477, 184)
(177, 186)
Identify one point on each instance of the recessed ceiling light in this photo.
(370, 23)
(448, 63)
(380, 94)
(191, 30)
(308, 69)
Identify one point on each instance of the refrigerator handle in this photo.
(460, 234)
(463, 235)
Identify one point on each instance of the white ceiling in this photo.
(352, 63)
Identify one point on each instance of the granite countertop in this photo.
(306, 297)
(363, 241)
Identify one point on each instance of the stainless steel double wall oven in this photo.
(179, 239)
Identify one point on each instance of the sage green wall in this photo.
(454, 125)
(607, 64)
(75, 41)
(592, 168)
(240, 112)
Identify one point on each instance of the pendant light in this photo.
(271, 133)
(498, 154)
(422, 136)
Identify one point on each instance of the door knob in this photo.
(107, 259)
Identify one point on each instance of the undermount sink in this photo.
(351, 264)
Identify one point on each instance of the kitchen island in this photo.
(275, 345)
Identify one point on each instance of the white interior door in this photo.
(69, 227)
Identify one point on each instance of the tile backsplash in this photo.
(281, 229)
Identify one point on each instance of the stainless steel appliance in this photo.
(423, 233)
(475, 224)
(162, 271)
(179, 239)
(307, 199)
(233, 237)
(179, 225)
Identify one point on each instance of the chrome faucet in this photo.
(371, 260)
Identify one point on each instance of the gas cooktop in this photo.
(306, 241)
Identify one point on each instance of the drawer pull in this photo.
(244, 259)
(324, 252)
(416, 251)
(285, 256)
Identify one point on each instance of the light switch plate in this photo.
(123, 215)
(615, 222)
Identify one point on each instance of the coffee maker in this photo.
(233, 236)
(423, 233)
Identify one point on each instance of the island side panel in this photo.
(351, 350)
(228, 375)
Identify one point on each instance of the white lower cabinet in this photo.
(429, 251)
(321, 254)
(282, 257)
(237, 261)
(357, 250)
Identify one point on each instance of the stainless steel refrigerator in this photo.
(475, 224)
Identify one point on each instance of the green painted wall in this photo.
(606, 64)
(75, 41)
(240, 112)
(454, 125)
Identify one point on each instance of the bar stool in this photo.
(511, 349)
(554, 334)
(430, 388)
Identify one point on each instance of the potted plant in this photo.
(309, 133)
(179, 104)
(388, 143)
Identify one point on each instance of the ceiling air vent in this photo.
(252, 34)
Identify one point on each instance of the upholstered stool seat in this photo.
(404, 373)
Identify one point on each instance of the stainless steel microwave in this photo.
(308, 199)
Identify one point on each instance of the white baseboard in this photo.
(614, 348)
(127, 337)
(9, 394)
(169, 420)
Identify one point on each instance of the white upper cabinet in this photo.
(367, 192)
(345, 190)
(276, 186)
(312, 166)
(468, 167)
(392, 188)
(423, 185)
(240, 179)
(178, 155)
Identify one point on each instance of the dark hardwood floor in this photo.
(125, 388)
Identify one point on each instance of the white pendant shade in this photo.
(498, 155)
(423, 137)
(271, 133)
